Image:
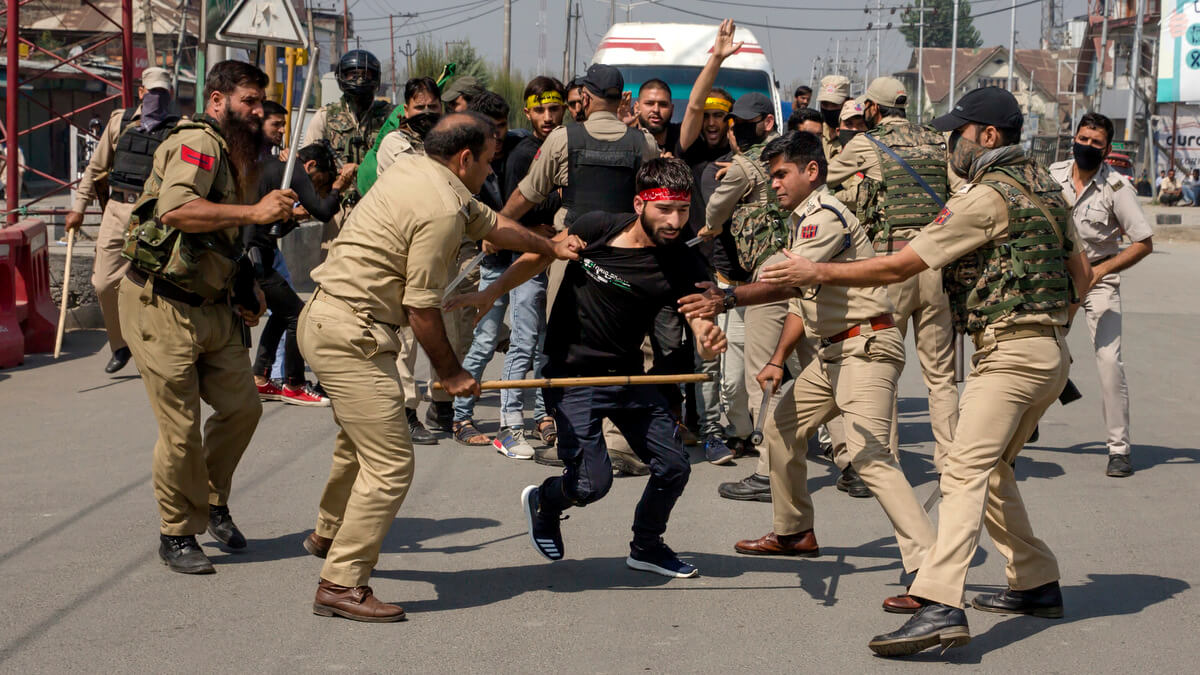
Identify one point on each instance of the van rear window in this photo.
(681, 78)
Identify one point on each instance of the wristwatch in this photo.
(730, 299)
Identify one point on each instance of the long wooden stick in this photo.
(66, 288)
(606, 381)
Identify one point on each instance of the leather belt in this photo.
(890, 246)
(125, 197)
(877, 323)
(1017, 333)
(166, 289)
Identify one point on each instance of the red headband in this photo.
(665, 195)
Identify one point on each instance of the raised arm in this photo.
(693, 117)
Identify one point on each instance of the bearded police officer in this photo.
(188, 343)
(1105, 208)
(351, 123)
(1011, 263)
(388, 269)
(902, 169)
(114, 176)
(854, 371)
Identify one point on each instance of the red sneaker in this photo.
(270, 391)
(303, 395)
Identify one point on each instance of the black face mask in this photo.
(423, 122)
(1087, 157)
(844, 135)
(831, 117)
(746, 134)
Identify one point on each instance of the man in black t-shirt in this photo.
(632, 266)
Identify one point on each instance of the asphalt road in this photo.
(84, 591)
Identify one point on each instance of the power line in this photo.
(467, 5)
(764, 25)
(458, 22)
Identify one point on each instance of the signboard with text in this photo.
(1179, 52)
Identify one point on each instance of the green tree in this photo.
(939, 24)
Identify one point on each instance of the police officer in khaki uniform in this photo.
(893, 206)
(1010, 256)
(386, 270)
(108, 267)
(1105, 209)
(834, 91)
(859, 357)
(174, 304)
(850, 124)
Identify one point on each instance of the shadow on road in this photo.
(1144, 456)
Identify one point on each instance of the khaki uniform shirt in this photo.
(831, 146)
(193, 164)
(549, 168)
(1107, 209)
(400, 244)
(395, 144)
(101, 161)
(974, 215)
(741, 185)
(316, 127)
(858, 157)
(818, 234)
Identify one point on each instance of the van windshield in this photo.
(681, 78)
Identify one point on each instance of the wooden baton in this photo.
(66, 287)
(604, 381)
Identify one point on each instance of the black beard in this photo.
(654, 236)
(246, 142)
(652, 128)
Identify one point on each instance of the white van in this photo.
(675, 53)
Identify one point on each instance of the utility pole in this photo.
(392, 36)
(575, 40)
(1135, 67)
(541, 37)
(878, 34)
(408, 52)
(612, 13)
(1012, 42)
(345, 27)
(953, 59)
(148, 20)
(506, 59)
(837, 58)
(1103, 52)
(921, 63)
(567, 46)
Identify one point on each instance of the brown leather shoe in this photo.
(317, 545)
(803, 544)
(358, 603)
(901, 604)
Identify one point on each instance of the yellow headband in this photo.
(546, 98)
(717, 103)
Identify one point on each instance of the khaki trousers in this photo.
(1010, 385)
(858, 377)
(108, 268)
(1102, 307)
(187, 355)
(373, 455)
(921, 300)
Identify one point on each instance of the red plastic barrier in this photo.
(35, 308)
(12, 342)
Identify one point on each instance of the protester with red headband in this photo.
(634, 265)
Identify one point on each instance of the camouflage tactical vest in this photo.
(201, 263)
(1023, 274)
(351, 141)
(898, 202)
(759, 228)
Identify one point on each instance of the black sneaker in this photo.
(440, 416)
(221, 527)
(420, 435)
(183, 555)
(1119, 466)
(544, 531)
(659, 559)
(752, 488)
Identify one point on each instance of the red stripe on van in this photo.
(747, 49)
(637, 46)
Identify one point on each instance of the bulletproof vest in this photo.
(349, 140)
(203, 263)
(600, 174)
(1023, 274)
(760, 227)
(133, 159)
(898, 202)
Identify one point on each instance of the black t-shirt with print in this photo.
(610, 296)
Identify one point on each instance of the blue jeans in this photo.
(528, 319)
(1190, 194)
(282, 270)
(525, 338)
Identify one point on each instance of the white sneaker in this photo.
(512, 444)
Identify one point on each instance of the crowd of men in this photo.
(789, 264)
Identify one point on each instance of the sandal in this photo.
(466, 433)
(547, 431)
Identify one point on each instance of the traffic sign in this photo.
(271, 21)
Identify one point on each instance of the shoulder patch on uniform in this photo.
(538, 153)
(943, 216)
(808, 231)
(966, 187)
(1116, 182)
(197, 158)
(813, 205)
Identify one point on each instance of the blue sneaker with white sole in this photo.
(659, 559)
(544, 531)
(716, 450)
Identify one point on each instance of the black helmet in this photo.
(359, 73)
